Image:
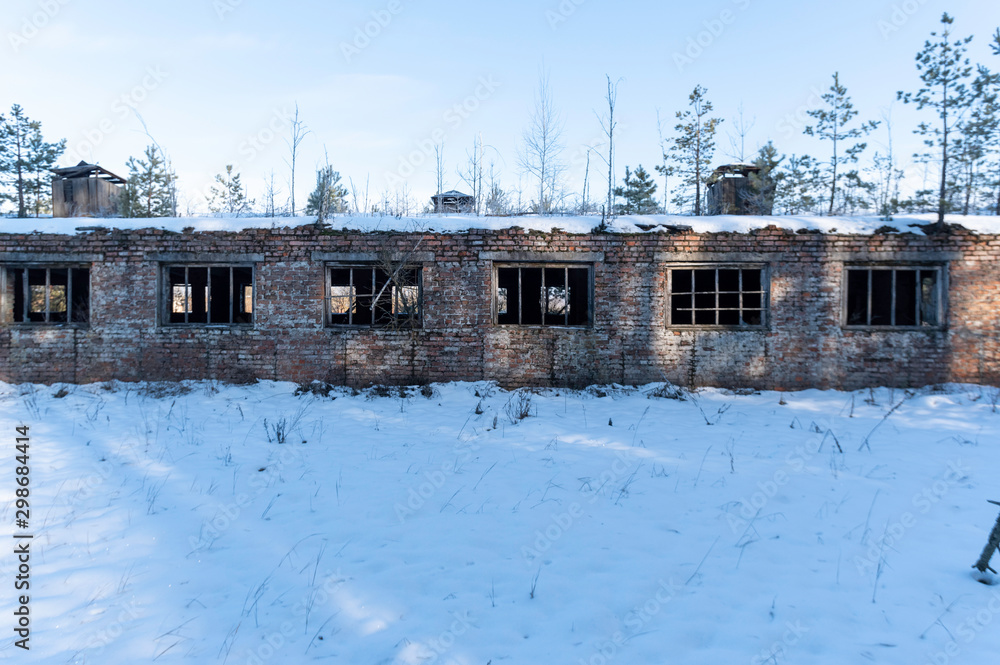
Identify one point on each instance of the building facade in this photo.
(766, 309)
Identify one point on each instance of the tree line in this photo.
(960, 102)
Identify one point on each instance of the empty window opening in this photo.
(210, 294)
(543, 295)
(371, 296)
(730, 296)
(893, 297)
(50, 295)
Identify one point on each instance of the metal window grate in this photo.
(549, 295)
(372, 296)
(894, 297)
(730, 296)
(57, 294)
(209, 295)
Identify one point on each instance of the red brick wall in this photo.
(804, 344)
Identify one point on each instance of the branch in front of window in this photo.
(393, 268)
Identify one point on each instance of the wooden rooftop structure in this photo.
(85, 190)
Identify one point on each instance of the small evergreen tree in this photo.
(692, 150)
(42, 157)
(329, 196)
(228, 194)
(638, 193)
(148, 192)
(832, 124)
(857, 192)
(799, 179)
(944, 71)
(765, 183)
(497, 200)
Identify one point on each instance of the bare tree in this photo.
(472, 175)
(664, 168)
(738, 137)
(608, 125)
(542, 147)
(439, 166)
(585, 198)
(496, 202)
(298, 133)
(888, 175)
(360, 205)
(270, 193)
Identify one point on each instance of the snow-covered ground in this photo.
(203, 523)
(460, 223)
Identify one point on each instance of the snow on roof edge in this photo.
(457, 223)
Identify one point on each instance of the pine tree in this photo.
(148, 190)
(692, 150)
(991, 124)
(329, 196)
(638, 193)
(42, 157)
(19, 162)
(944, 70)
(229, 197)
(832, 124)
(971, 152)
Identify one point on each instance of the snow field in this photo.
(206, 523)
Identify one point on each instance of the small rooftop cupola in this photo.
(731, 191)
(85, 190)
(453, 201)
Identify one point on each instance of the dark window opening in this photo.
(210, 294)
(543, 295)
(370, 296)
(49, 295)
(893, 297)
(732, 297)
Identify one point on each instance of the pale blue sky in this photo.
(213, 78)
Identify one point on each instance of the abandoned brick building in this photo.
(769, 308)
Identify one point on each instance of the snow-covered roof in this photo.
(457, 223)
(452, 193)
(85, 170)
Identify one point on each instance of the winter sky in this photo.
(377, 81)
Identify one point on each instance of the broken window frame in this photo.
(77, 306)
(399, 317)
(236, 303)
(763, 293)
(920, 324)
(546, 317)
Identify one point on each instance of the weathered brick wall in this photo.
(804, 344)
